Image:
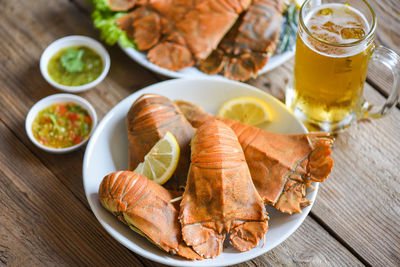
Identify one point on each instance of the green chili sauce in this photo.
(62, 125)
(74, 66)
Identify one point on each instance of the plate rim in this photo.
(137, 56)
(109, 115)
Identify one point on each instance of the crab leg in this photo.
(282, 166)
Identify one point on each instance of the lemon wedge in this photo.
(249, 110)
(161, 161)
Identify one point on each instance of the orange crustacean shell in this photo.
(121, 5)
(246, 48)
(149, 118)
(220, 197)
(175, 33)
(281, 166)
(145, 207)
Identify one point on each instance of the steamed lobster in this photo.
(249, 44)
(235, 169)
(148, 119)
(282, 166)
(145, 207)
(178, 33)
(233, 37)
(220, 197)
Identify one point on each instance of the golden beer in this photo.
(330, 72)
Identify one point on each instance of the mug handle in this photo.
(391, 60)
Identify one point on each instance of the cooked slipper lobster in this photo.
(145, 207)
(246, 48)
(233, 37)
(148, 119)
(174, 32)
(220, 197)
(281, 166)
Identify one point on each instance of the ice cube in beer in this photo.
(352, 33)
(356, 24)
(325, 11)
(331, 27)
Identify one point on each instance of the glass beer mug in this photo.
(334, 47)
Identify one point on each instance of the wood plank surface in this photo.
(388, 23)
(362, 196)
(42, 216)
(120, 85)
(310, 245)
(360, 199)
(20, 75)
(46, 219)
(388, 35)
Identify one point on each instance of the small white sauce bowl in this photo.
(58, 98)
(74, 40)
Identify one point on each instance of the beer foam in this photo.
(331, 22)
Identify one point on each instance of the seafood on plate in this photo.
(178, 33)
(220, 197)
(120, 5)
(145, 207)
(230, 171)
(281, 166)
(148, 119)
(248, 45)
(232, 37)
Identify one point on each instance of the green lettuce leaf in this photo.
(100, 5)
(105, 21)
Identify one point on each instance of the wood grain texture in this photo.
(42, 216)
(46, 219)
(121, 84)
(360, 200)
(362, 196)
(388, 35)
(23, 85)
(318, 249)
(388, 23)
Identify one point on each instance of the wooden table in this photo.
(45, 217)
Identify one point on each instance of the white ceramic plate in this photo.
(107, 152)
(193, 72)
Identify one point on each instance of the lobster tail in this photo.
(246, 48)
(281, 166)
(145, 207)
(149, 118)
(220, 196)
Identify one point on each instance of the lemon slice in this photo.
(161, 161)
(249, 110)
